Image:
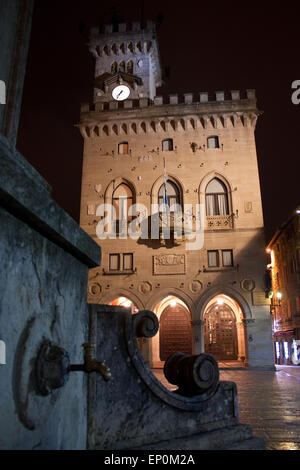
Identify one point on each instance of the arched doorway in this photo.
(223, 328)
(175, 332)
(220, 334)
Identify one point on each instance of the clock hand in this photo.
(119, 93)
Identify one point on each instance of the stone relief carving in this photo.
(169, 264)
(145, 287)
(248, 285)
(95, 288)
(195, 286)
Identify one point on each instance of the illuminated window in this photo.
(167, 145)
(123, 148)
(213, 142)
(216, 198)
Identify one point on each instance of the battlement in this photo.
(135, 27)
(204, 98)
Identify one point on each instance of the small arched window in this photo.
(114, 67)
(167, 145)
(123, 148)
(213, 142)
(216, 198)
(122, 66)
(130, 66)
(169, 194)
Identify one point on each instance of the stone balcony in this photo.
(219, 222)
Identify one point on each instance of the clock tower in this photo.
(127, 63)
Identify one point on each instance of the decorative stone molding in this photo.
(195, 286)
(145, 287)
(95, 289)
(169, 264)
(248, 285)
(219, 222)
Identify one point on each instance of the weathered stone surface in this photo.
(42, 295)
(139, 411)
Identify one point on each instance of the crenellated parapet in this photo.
(146, 116)
(133, 49)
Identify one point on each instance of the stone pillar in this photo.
(241, 341)
(198, 335)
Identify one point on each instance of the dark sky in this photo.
(207, 46)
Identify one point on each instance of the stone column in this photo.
(241, 341)
(198, 335)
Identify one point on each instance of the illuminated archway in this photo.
(223, 329)
(124, 302)
(175, 333)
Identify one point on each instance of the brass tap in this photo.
(90, 364)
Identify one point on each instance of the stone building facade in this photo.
(201, 271)
(284, 249)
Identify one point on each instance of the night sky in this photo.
(204, 46)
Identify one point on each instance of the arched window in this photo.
(114, 67)
(123, 148)
(216, 198)
(213, 142)
(122, 200)
(122, 66)
(167, 145)
(169, 193)
(130, 66)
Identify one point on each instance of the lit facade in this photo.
(284, 267)
(205, 277)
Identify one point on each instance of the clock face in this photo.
(121, 92)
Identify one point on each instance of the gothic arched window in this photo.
(122, 200)
(114, 67)
(169, 194)
(216, 198)
(130, 66)
(122, 66)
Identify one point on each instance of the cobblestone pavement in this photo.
(268, 401)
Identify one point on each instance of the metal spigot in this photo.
(53, 366)
(91, 365)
